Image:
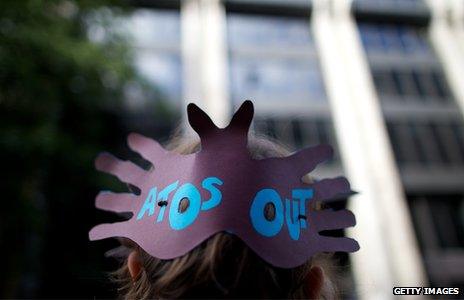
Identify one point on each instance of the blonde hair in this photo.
(222, 266)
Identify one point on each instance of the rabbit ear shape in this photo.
(242, 118)
(199, 120)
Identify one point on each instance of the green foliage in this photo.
(61, 96)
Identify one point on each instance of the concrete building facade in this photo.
(378, 79)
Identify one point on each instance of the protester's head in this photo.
(223, 266)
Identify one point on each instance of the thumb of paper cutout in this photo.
(185, 199)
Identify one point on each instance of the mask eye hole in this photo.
(183, 205)
(269, 211)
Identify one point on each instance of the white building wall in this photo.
(204, 57)
(447, 36)
(389, 254)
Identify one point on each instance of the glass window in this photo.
(398, 83)
(390, 37)
(298, 133)
(410, 88)
(163, 70)
(417, 142)
(273, 58)
(440, 85)
(156, 42)
(384, 83)
(458, 133)
(267, 31)
(415, 96)
(391, 1)
(275, 78)
(448, 221)
(439, 220)
(434, 142)
(273, 62)
(439, 224)
(387, 6)
(393, 38)
(153, 28)
(415, 84)
(370, 37)
(396, 144)
(421, 80)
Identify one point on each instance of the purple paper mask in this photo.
(226, 190)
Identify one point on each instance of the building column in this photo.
(446, 33)
(389, 254)
(204, 57)
(457, 21)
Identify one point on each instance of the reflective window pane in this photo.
(163, 70)
(273, 58)
(428, 143)
(273, 61)
(439, 220)
(156, 46)
(155, 28)
(266, 31)
(393, 38)
(408, 79)
(298, 133)
(275, 79)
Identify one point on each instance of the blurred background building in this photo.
(380, 80)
